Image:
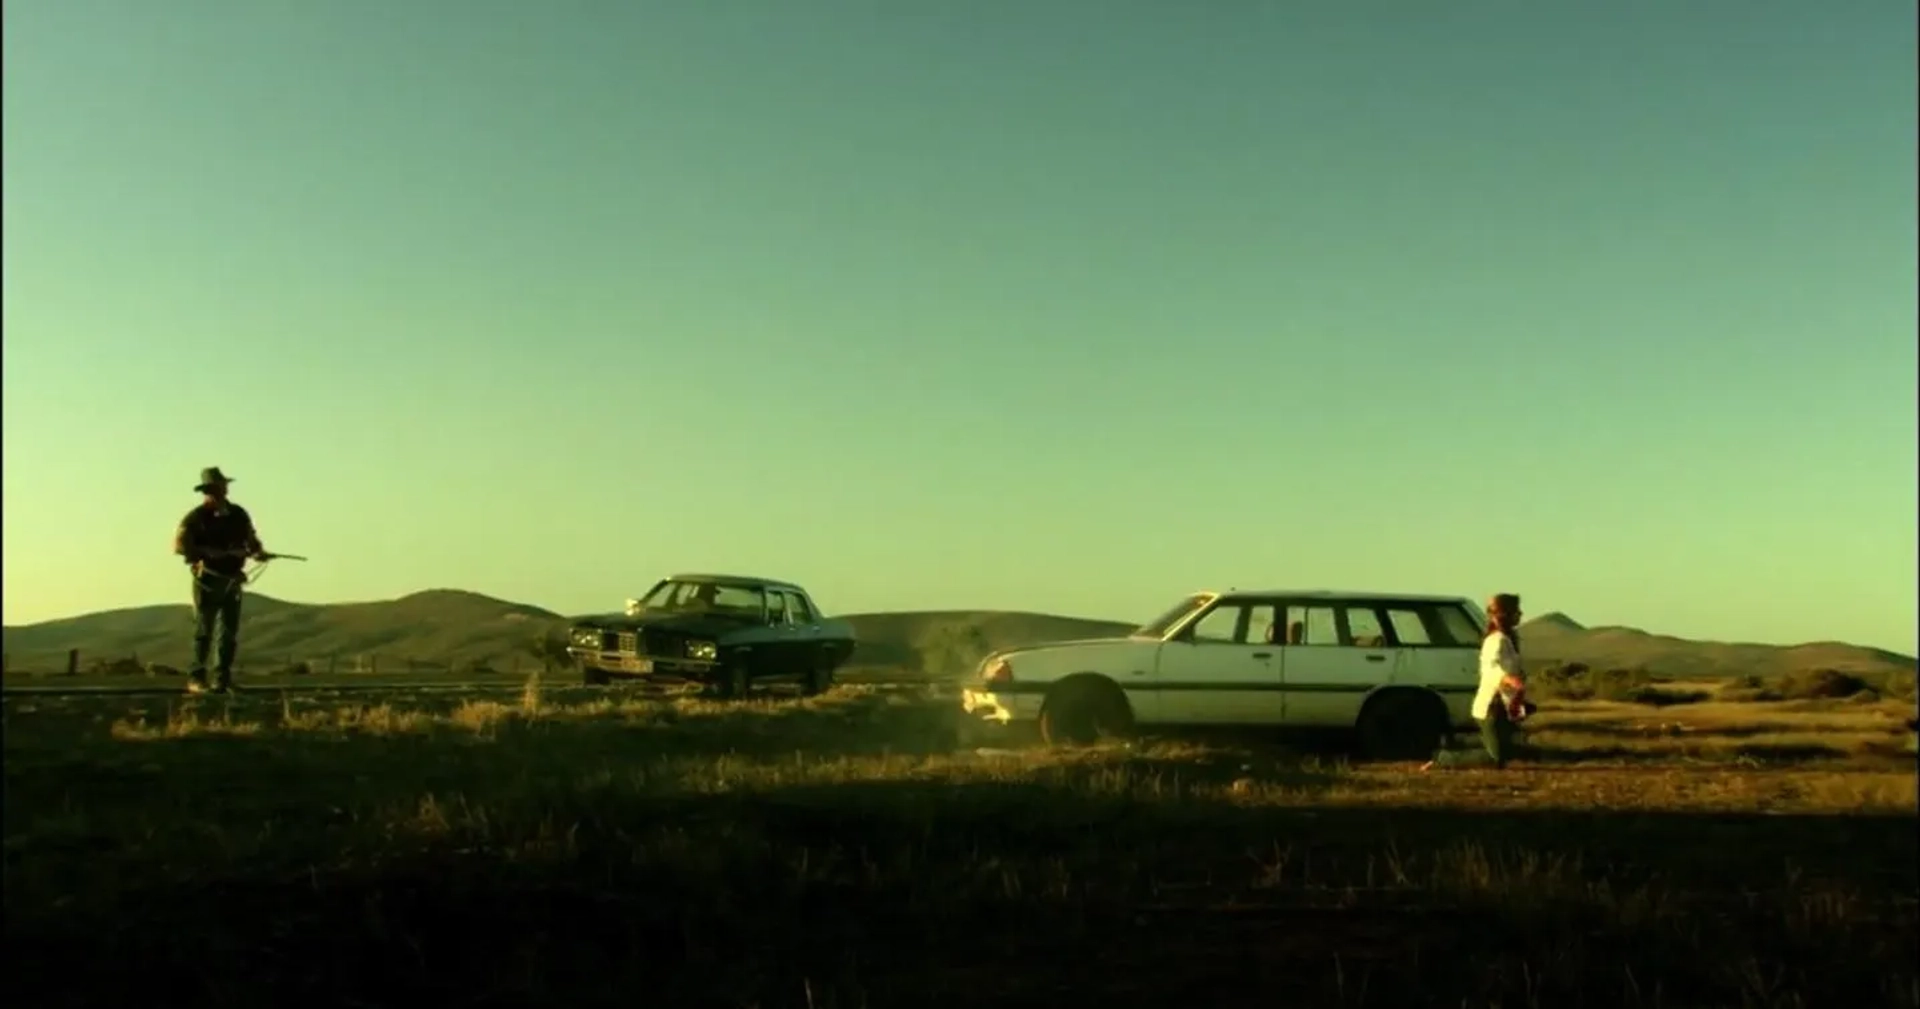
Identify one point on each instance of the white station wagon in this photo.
(1400, 670)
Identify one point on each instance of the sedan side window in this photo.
(776, 608)
(797, 609)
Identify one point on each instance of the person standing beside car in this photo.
(1503, 683)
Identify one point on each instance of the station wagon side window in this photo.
(1364, 629)
(1458, 629)
(776, 607)
(1240, 622)
(1225, 624)
(1313, 626)
(797, 609)
(1410, 628)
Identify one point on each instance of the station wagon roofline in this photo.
(1330, 595)
(740, 581)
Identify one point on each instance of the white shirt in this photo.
(1498, 660)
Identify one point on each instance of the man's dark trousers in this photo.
(216, 599)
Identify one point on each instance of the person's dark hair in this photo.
(1503, 617)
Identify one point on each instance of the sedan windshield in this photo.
(1158, 627)
(693, 596)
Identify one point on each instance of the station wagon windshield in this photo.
(695, 596)
(1159, 626)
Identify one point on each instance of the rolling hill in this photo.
(442, 625)
(1557, 637)
(445, 626)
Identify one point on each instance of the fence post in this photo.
(73, 662)
(373, 663)
(333, 660)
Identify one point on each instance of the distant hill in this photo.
(1556, 621)
(444, 626)
(1557, 637)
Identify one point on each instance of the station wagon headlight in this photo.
(702, 651)
(585, 637)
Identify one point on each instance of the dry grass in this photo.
(581, 846)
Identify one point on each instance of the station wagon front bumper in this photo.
(1002, 708)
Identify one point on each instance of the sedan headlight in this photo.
(702, 651)
(585, 637)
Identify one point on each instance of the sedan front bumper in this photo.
(634, 664)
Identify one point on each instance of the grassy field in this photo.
(589, 847)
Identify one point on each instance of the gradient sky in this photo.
(1025, 305)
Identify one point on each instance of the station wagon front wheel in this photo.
(1082, 712)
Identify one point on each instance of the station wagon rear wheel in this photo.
(1082, 712)
(1402, 725)
(593, 677)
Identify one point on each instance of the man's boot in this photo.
(197, 682)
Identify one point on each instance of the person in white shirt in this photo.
(1503, 682)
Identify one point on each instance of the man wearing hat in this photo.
(215, 539)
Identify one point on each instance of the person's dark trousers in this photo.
(1496, 733)
(216, 600)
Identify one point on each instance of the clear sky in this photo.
(1024, 304)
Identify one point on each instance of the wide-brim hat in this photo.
(212, 477)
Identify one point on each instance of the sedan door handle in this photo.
(1376, 658)
(1263, 655)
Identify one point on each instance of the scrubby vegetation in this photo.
(588, 847)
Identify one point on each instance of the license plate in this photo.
(634, 664)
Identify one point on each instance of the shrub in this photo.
(1660, 697)
(1819, 684)
(1576, 682)
(1900, 685)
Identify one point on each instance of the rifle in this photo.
(252, 574)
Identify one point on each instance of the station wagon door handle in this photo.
(1263, 655)
(1376, 658)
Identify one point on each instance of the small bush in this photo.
(1661, 697)
(1819, 684)
(1900, 685)
(1576, 682)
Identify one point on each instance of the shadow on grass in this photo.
(1697, 748)
(892, 892)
